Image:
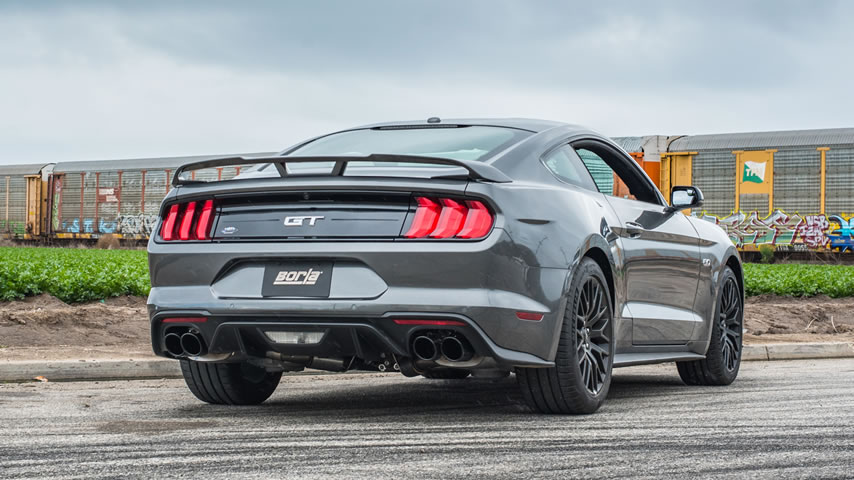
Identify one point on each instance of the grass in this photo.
(80, 275)
(72, 275)
(799, 280)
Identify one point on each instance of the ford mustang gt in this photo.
(443, 249)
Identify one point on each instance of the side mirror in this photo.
(683, 197)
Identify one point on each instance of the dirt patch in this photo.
(38, 324)
(773, 319)
(47, 321)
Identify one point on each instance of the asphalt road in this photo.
(780, 419)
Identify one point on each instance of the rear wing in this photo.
(476, 170)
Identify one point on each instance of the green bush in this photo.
(766, 253)
(72, 275)
(799, 280)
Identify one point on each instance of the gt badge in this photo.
(298, 221)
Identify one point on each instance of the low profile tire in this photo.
(581, 377)
(446, 374)
(720, 367)
(229, 383)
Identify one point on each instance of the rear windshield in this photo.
(458, 143)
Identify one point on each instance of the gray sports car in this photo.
(444, 249)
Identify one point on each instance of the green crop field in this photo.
(79, 275)
(799, 280)
(72, 275)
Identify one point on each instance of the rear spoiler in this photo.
(476, 170)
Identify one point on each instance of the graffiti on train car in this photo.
(139, 224)
(796, 232)
(18, 228)
(136, 224)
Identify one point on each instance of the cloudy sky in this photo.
(93, 80)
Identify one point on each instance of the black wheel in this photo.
(720, 367)
(446, 374)
(581, 377)
(229, 383)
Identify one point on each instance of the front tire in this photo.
(720, 367)
(581, 377)
(229, 383)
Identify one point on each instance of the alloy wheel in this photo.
(592, 316)
(729, 321)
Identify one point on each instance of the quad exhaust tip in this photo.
(455, 350)
(172, 342)
(452, 348)
(425, 348)
(192, 344)
(187, 345)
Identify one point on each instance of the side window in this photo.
(565, 164)
(613, 174)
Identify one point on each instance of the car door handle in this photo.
(634, 229)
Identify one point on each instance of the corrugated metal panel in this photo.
(839, 181)
(131, 192)
(629, 144)
(17, 205)
(88, 203)
(108, 211)
(142, 163)
(779, 139)
(754, 202)
(155, 190)
(69, 215)
(206, 175)
(797, 181)
(714, 174)
(3, 203)
(13, 170)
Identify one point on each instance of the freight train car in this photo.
(85, 200)
(23, 199)
(793, 190)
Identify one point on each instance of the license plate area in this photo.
(297, 279)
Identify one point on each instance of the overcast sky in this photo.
(92, 80)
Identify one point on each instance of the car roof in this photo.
(530, 124)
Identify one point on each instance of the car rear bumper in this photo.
(482, 284)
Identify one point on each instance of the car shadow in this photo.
(365, 397)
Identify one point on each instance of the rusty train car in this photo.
(793, 190)
(86, 200)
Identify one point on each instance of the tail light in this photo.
(188, 221)
(450, 218)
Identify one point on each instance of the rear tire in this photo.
(720, 367)
(581, 377)
(229, 383)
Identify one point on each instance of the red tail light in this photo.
(205, 220)
(478, 221)
(426, 216)
(449, 218)
(188, 221)
(168, 230)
